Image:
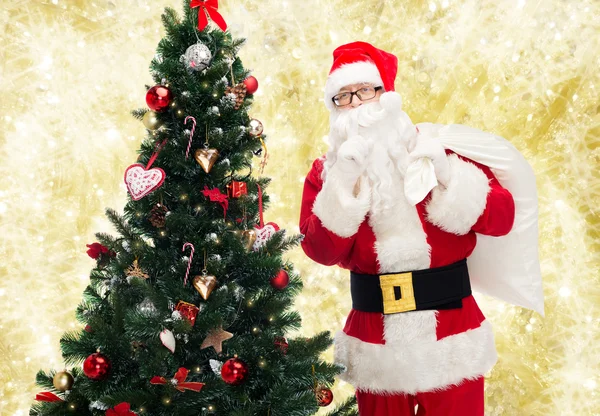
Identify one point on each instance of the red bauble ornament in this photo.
(234, 371)
(159, 97)
(280, 281)
(96, 366)
(324, 396)
(282, 344)
(251, 84)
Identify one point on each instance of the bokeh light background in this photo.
(71, 71)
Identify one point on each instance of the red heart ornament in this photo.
(141, 181)
(263, 234)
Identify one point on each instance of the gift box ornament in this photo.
(188, 311)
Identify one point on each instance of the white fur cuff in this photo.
(458, 207)
(336, 207)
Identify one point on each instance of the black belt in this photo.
(438, 288)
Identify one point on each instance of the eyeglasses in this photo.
(365, 93)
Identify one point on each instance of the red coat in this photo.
(421, 350)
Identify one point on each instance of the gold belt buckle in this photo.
(407, 300)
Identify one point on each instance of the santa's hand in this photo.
(352, 156)
(345, 197)
(432, 149)
(391, 102)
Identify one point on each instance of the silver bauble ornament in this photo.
(256, 128)
(147, 307)
(197, 57)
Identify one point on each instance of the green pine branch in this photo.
(347, 408)
(121, 225)
(170, 21)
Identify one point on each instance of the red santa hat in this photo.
(358, 62)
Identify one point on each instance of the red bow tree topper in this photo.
(211, 7)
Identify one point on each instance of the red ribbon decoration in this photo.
(260, 206)
(215, 195)
(46, 396)
(180, 383)
(210, 6)
(122, 409)
(157, 150)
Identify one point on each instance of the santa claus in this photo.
(415, 336)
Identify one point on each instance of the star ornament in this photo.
(215, 339)
(135, 271)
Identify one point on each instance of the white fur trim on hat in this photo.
(347, 74)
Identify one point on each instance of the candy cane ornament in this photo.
(187, 152)
(189, 261)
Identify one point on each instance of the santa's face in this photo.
(388, 133)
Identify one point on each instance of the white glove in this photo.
(352, 158)
(340, 207)
(432, 149)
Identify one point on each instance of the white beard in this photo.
(391, 137)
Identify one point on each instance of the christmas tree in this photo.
(188, 306)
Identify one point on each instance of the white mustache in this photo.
(346, 122)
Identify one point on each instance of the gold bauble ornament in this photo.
(63, 381)
(206, 158)
(249, 237)
(204, 285)
(151, 120)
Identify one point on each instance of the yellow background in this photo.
(71, 71)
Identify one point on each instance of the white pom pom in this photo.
(391, 101)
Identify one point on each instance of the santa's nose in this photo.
(355, 101)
